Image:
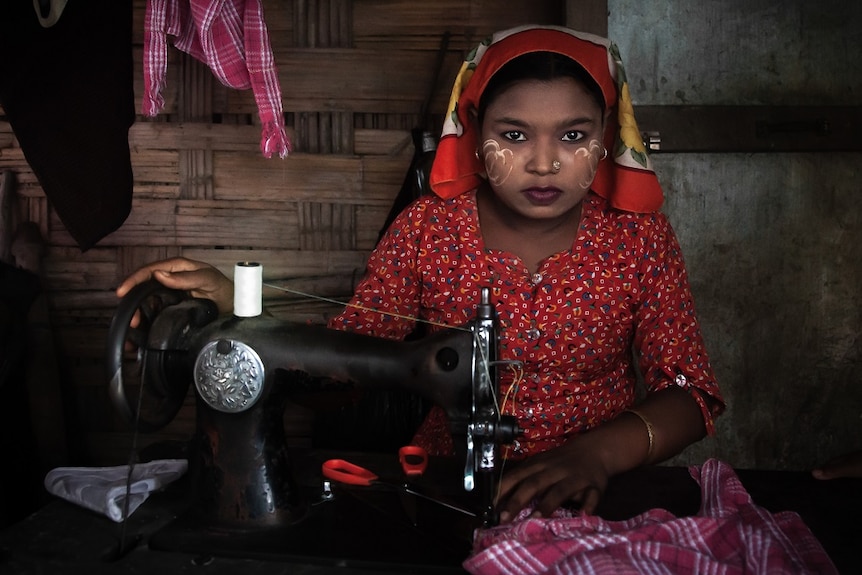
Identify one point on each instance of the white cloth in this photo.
(103, 489)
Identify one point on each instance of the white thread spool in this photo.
(247, 289)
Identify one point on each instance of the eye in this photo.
(574, 136)
(514, 136)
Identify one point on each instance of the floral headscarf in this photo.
(626, 178)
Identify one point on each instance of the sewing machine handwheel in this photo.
(148, 368)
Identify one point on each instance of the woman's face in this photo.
(541, 142)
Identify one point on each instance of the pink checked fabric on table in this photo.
(729, 535)
(231, 37)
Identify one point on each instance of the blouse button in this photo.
(537, 277)
(681, 380)
(534, 333)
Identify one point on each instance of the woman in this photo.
(544, 193)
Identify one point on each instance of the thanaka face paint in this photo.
(499, 162)
(586, 163)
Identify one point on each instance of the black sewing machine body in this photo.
(245, 368)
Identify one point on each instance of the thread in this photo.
(247, 289)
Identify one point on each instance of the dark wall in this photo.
(772, 237)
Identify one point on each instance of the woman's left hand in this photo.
(578, 471)
(572, 472)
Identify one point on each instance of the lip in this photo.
(542, 196)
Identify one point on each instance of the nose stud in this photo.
(556, 165)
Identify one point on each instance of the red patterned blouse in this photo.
(574, 323)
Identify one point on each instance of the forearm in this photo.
(671, 416)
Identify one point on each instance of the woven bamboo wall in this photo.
(354, 77)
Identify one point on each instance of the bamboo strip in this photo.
(346, 24)
(300, 23)
(251, 224)
(311, 23)
(383, 142)
(325, 132)
(392, 22)
(322, 25)
(369, 223)
(337, 133)
(146, 135)
(300, 176)
(313, 128)
(347, 134)
(356, 79)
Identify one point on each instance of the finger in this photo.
(507, 483)
(149, 271)
(512, 506)
(180, 280)
(557, 496)
(522, 494)
(592, 497)
(137, 277)
(199, 283)
(515, 475)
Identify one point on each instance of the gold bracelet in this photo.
(649, 430)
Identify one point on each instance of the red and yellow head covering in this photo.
(626, 178)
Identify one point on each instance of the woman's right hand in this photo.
(199, 279)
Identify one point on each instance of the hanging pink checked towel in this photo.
(231, 37)
(730, 535)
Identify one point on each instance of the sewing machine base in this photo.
(358, 530)
(360, 527)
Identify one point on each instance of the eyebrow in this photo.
(576, 121)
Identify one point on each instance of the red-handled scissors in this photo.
(413, 460)
(350, 473)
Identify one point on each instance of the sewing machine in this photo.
(243, 367)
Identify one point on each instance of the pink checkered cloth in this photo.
(230, 36)
(729, 535)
